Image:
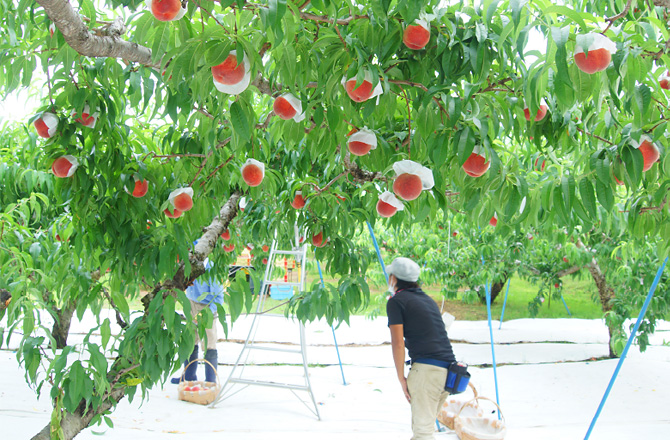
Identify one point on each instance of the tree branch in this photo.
(82, 40)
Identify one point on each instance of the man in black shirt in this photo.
(416, 323)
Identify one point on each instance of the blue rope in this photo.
(566, 306)
(628, 344)
(337, 349)
(493, 352)
(502, 314)
(379, 254)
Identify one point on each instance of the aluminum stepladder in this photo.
(299, 253)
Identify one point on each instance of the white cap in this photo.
(404, 269)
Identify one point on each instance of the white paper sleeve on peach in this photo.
(241, 86)
(391, 199)
(643, 138)
(51, 121)
(411, 167)
(594, 41)
(364, 135)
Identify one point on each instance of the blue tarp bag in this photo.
(457, 378)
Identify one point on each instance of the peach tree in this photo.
(158, 118)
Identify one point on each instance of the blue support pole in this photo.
(493, 351)
(379, 254)
(628, 344)
(566, 306)
(502, 314)
(337, 349)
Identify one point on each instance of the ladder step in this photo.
(298, 252)
(283, 283)
(268, 384)
(283, 350)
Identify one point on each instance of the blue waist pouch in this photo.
(457, 378)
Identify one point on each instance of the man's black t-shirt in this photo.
(423, 328)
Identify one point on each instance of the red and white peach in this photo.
(46, 125)
(476, 164)
(253, 172)
(230, 77)
(167, 10)
(416, 36)
(64, 166)
(598, 55)
(363, 91)
(388, 204)
(182, 199)
(649, 150)
(361, 142)
(411, 179)
(287, 106)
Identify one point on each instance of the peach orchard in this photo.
(163, 122)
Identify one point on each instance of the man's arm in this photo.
(398, 346)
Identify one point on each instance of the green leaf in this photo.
(588, 196)
(239, 121)
(605, 195)
(464, 144)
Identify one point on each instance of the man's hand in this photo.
(403, 384)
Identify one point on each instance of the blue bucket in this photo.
(281, 292)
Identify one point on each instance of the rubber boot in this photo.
(212, 356)
(191, 371)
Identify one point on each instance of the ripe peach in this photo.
(476, 165)
(664, 81)
(141, 188)
(229, 247)
(388, 204)
(416, 36)
(253, 172)
(364, 91)
(494, 221)
(565, 259)
(318, 241)
(265, 261)
(298, 201)
(87, 119)
(175, 213)
(650, 153)
(46, 125)
(182, 198)
(226, 234)
(167, 10)
(541, 113)
(288, 106)
(229, 72)
(556, 285)
(266, 248)
(361, 93)
(599, 54)
(230, 77)
(411, 179)
(361, 142)
(407, 186)
(64, 166)
(541, 167)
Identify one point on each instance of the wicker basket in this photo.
(480, 428)
(205, 392)
(453, 405)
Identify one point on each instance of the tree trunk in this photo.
(606, 294)
(61, 327)
(73, 424)
(496, 288)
